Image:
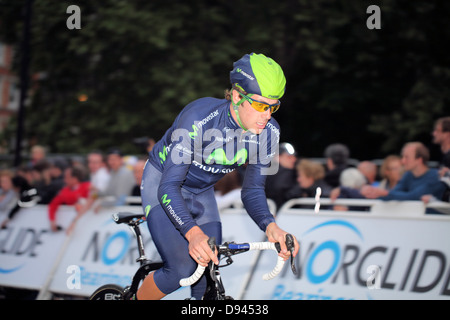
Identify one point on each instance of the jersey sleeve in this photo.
(178, 155)
(260, 165)
(254, 197)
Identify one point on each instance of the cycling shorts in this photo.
(170, 243)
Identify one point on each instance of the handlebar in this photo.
(233, 248)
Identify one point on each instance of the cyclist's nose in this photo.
(268, 114)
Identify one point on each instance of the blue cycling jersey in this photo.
(203, 144)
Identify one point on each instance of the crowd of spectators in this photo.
(109, 179)
(99, 180)
(402, 176)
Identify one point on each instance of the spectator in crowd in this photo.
(53, 180)
(279, 184)
(99, 180)
(98, 172)
(369, 170)
(337, 156)
(352, 178)
(38, 154)
(391, 171)
(351, 181)
(8, 196)
(441, 136)
(138, 170)
(46, 176)
(21, 187)
(418, 180)
(122, 180)
(145, 143)
(75, 188)
(39, 176)
(310, 176)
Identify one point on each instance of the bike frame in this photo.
(215, 289)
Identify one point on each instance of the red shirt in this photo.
(68, 196)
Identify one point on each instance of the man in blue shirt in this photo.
(208, 139)
(418, 180)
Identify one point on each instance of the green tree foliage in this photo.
(141, 62)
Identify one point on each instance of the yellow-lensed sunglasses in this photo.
(258, 105)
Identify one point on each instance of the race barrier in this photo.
(392, 251)
(401, 253)
(98, 251)
(28, 248)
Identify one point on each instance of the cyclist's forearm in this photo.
(174, 205)
(255, 203)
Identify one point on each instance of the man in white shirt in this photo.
(99, 179)
(99, 174)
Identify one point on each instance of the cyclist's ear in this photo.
(235, 97)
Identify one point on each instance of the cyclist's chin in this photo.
(257, 129)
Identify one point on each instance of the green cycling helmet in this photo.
(258, 74)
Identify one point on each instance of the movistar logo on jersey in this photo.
(201, 123)
(219, 156)
(194, 133)
(147, 210)
(164, 200)
(169, 208)
(163, 155)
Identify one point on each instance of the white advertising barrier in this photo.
(101, 252)
(28, 248)
(348, 255)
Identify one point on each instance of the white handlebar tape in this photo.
(262, 246)
(194, 278)
(276, 270)
(280, 261)
(253, 246)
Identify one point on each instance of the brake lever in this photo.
(291, 247)
(212, 243)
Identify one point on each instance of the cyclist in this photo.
(209, 138)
